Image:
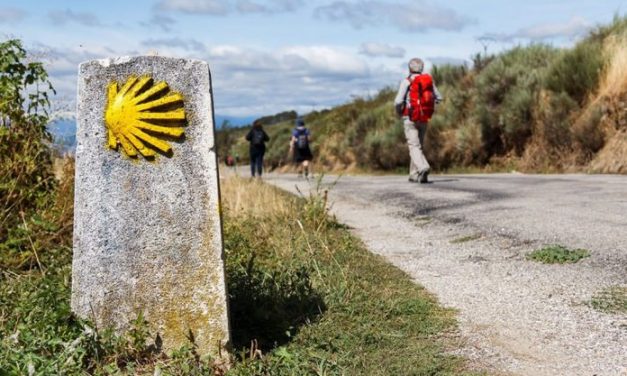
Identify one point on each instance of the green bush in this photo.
(26, 176)
(448, 74)
(506, 93)
(554, 119)
(587, 131)
(577, 70)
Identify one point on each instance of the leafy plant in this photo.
(558, 254)
(612, 300)
(25, 157)
(576, 71)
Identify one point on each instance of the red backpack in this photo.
(421, 98)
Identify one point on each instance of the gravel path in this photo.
(465, 237)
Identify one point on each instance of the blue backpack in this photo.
(302, 139)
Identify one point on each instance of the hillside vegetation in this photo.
(533, 108)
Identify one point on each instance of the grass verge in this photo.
(558, 254)
(306, 298)
(364, 316)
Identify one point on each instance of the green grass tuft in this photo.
(558, 254)
(611, 300)
(466, 238)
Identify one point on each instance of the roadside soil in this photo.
(466, 237)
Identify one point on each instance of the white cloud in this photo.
(184, 44)
(575, 27)
(288, 5)
(161, 21)
(415, 16)
(325, 61)
(224, 7)
(62, 17)
(381, 49)
(253, 82)
(215, 7)
(247, 6)
(247, 81)
(445, 60)
(11, 15)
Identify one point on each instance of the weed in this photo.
(466, 238)
(558, 254)
(612, 300)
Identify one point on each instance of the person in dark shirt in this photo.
(299, 147)
(257, 138)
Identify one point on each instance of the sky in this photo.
(268, 56)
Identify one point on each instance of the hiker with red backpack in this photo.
(415, 102)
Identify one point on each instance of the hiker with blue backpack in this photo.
(415, 103)
(257, 138)
(299, 147)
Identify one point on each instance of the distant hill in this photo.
(64, 134)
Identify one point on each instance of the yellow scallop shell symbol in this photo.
(140, 115)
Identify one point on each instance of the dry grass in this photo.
(253, 198)
(614, 82)
(612, 95)
(612, 159)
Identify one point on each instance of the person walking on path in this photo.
(299, 147)
(257, 138)
(415, 102)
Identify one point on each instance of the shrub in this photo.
(587, 131)
(506, 94)
(469, 143)
(553, 118)
(26, 176)
(448, 74)
(576, 71)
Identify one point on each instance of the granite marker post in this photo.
(147, 227)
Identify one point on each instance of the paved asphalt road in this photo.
(466, 237)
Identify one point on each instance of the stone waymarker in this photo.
(147, 230)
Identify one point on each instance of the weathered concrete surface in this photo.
(147, 235)
(465, 238)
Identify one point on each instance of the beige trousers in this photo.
(415, 134)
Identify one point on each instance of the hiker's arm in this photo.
(402, 91)
(399, 101)
(249, 135)
(266, 138)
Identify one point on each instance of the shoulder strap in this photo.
(408, 87)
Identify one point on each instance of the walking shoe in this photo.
(424, 177)
(414, 179)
